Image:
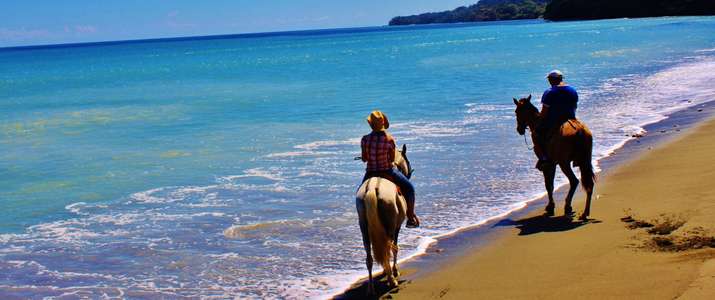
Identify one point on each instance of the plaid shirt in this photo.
(378, 150)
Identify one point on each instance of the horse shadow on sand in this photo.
(382, 289)
(545, 223)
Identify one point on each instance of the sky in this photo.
(38, 22)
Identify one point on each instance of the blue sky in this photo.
(33, 22)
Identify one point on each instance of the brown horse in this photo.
(381, 210)
(572, 142)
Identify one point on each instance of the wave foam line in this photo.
(256, 172)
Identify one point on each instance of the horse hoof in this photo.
(583, 217)
(568, 211)
(393, 283)
(370, 289)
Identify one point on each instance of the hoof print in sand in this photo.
(662, 235)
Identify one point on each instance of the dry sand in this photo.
(555, 258)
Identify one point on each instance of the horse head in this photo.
(402, 163)
(526, 114)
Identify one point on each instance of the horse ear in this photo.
(404, 149)
(516, 101)
(528, 98)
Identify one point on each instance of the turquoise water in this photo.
(223, 167)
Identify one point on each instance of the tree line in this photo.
(484, 10)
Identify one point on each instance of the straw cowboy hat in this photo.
(378, 121)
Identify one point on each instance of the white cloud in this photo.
(85, 29)
(172, 21)
(23, 34)
(20, 36)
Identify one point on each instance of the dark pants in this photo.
(408, 190)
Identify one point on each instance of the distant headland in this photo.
(484, 10)
(557, 10)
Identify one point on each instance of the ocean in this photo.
(223, 167)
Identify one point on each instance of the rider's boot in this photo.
(543, 159)
(412, 220)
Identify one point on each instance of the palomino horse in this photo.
(381, 210)
(572, 143)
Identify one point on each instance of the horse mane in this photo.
(530, 106)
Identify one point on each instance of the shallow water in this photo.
(224, 167)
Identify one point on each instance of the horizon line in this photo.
(299, 32)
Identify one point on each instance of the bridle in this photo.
(522, 127)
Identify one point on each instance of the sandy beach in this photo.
(614, 255)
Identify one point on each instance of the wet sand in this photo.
(526, 255)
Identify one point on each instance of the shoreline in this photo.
(456, 244)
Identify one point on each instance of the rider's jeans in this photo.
(408, 190)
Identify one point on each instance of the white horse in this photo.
(382, 210)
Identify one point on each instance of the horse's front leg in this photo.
(573, 184)
(549, 173)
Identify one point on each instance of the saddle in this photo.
(565, 127)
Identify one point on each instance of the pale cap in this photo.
(555, 74)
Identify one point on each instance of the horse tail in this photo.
(585, 148)
(382, 244)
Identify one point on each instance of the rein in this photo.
(410, 170)
(526, 143)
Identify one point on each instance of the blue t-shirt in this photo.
(562, 102)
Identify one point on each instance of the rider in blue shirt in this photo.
(559, 104)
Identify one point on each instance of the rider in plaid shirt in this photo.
(378, 150)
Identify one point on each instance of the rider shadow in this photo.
(544, 223)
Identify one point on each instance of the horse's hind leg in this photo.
(368, 251)
(589, 191)
(549, 173)
(573, 184)
(390, 271)
(394, 254)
